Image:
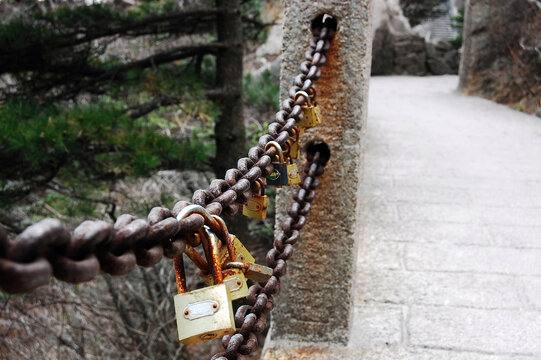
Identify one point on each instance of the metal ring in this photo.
(213, 252)
(261, 185)
(224, 232)
(194, 209)
(278, 147)
(304, 94)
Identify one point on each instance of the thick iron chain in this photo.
(47, 247)
(251, 319)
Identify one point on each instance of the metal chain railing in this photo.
(251, 319)
(48, 249)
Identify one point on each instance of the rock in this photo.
(399, 49)
(164, 186)
(500, 59)
(441, 58)
(538, 113)
(382, 52)
(387, 13)
(410, 55)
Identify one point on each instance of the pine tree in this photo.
(90, 94)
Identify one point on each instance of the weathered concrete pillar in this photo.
(315, 301)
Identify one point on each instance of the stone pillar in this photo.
(315, 302)
(466, 48)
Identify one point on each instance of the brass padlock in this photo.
(206, 313)
(279, 176)
(234, 279)
(311, 112)
(256, 207)
(252, 271)
(243, 255)
(293, 176)
(294, 146)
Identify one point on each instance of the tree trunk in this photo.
(229, 129)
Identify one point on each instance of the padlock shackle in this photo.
(180, 274)
(277, 146)
(210, 246)
(196, 258)
(198, 209)
(261, 185)
(225, 237)
(214, 222)
(296, 133)
(306, 97)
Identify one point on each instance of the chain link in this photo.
(48, 249)
(251, 319)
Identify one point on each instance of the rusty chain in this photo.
(48, 249)
(251, 319)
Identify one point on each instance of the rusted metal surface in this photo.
(48, 249)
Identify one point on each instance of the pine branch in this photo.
(72, 80)
(143, 109)
(257, 23)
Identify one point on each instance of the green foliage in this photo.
(65, 17)
(457, 42)
(69, 17)
(154, 7)
(457, 22)
(255, 132)
(4, 296)
(66, 205)
(20, 32)
(37, 137)
(252, 9)
(263, 92)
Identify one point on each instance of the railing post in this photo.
(315, 302)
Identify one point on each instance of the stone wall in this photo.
(399, 49)
(502, 52)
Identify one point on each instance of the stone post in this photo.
(464, 67)
(315, 302)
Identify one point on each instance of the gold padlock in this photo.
(294, 146)
(252, 271)
(311, 112)
(293, 176)
(206, 313)
(243, 255)
(234, 279)
(256, 207)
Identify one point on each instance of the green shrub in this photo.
(264, 92)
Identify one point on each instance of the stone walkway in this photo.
(450, 263)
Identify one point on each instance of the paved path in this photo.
(450, 263)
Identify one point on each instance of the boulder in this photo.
(410, 55)
(382, 52)
(399, 49)
(441, 58)
(500, 57)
